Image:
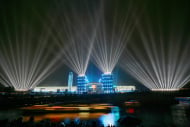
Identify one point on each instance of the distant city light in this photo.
(107, 72)
(93, 86)
(81, 75)
(165, 89)
(46, 89)
(21, 90)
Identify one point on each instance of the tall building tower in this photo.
(107, 81)
(70, 81)
(82, 82)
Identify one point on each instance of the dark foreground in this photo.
(47, 123)
(155, 109)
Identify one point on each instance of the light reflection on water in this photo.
(61, 116)
(177, 115)
(10, 114)
(111, 118)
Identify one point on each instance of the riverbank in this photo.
(9, 100)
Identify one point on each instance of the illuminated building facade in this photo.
(82, 82)
(95, 87)
(53, 89)
(70, 81)
(106, 84)
(92, 87)
(107, 81)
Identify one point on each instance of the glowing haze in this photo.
(25, 58)
(114, 30)
(74, 33)
(159, 56)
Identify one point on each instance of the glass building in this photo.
(82, 82)
(107, 81)
(70, 81)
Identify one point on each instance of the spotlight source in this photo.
(165, 89)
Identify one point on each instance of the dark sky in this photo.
(38, 10)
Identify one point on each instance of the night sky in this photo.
(37, 13)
